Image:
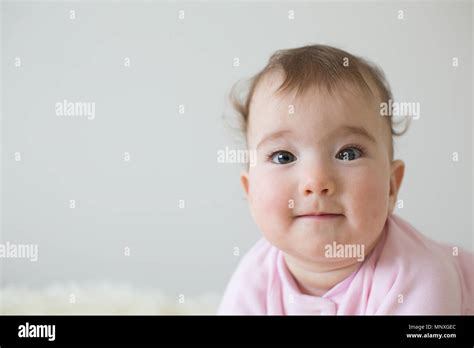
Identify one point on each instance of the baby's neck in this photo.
(317, 281)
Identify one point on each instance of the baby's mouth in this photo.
(322, 216)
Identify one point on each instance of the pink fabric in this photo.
(406, 273)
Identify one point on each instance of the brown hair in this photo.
(321, 66)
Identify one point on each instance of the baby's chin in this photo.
(321, 246)
(327, 255)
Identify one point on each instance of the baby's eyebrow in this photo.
(273, 136)
(346, 129)
(355, 130)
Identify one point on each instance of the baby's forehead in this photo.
(269, 103)
(314, 109)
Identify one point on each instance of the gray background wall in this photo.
(135, 204)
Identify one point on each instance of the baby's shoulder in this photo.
(423, 263)
(416, 249)
(259, 261)
(247, 290)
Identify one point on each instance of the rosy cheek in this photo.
(368, 196)
(270, 201)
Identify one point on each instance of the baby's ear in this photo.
(397, 170)
(244, 180)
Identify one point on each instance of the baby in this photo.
(322, 192)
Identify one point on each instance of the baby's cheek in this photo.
(369, 203)
(271, 204)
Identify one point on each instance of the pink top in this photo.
(406, 273)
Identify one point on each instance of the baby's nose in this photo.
(319, 181)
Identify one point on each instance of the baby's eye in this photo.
(349, 154)
(282, 157)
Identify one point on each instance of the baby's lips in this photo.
(317, 213)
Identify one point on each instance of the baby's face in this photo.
(330, 156)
